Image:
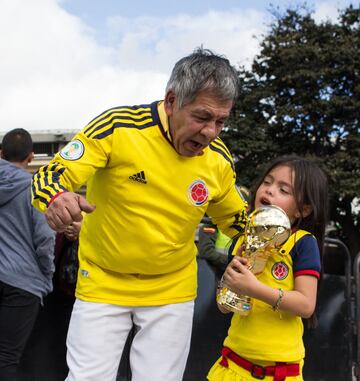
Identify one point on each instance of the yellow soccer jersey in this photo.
(137, 247)
(265, 334)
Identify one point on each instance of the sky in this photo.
(63, 62)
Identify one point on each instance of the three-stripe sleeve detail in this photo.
(218, 146)
(46, 183)
(138, 117)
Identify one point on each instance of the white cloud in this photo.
(54, 74)
(157, 43)
(326, 11)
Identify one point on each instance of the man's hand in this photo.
(66, 209)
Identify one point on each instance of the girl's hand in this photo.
(240, 250)
(72, 231)
(239, 278)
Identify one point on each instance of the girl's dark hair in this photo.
(310, 188)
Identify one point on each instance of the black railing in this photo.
(356, 329)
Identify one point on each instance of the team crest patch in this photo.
(73, 150)
(198, 193)
(280, 270)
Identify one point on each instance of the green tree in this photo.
(302, 95)
(245, 135)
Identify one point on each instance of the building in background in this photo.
(46, 144)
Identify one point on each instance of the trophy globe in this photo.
(268, 227)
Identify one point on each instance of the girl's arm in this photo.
(301, 301)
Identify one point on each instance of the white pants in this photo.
(98, 332)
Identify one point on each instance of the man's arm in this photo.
(66, 209)
(229, 213)
(53, 185)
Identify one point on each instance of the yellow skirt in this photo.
(236, 373)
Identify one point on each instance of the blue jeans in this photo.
(18, 312)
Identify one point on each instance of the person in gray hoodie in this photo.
(26, 252)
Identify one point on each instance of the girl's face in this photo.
(278, 189)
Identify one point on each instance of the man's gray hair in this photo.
(203, 70)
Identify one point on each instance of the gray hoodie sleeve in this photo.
(44, 242)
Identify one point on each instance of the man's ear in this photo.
(169, 102)
(30, 157)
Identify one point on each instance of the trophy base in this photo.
(240, 304)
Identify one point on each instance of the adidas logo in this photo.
(140, 177)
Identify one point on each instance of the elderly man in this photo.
(152, 171)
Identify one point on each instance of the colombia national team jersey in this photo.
(266, 334)
(137, 247)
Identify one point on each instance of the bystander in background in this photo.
(26, 252)
(213, 246)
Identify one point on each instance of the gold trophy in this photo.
(268, 228)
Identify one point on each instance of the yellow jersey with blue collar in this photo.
(137, 247)
(265, 334)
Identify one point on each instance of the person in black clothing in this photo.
(66, 260)
(213, 246)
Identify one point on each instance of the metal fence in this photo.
(356, 321)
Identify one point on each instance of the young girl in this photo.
(267, 344)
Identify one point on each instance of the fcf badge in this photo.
(280, 270)
(198, 193)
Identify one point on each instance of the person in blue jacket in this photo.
(26, 252)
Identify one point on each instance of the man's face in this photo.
(197, 124)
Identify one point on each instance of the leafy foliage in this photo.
(302, 95)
